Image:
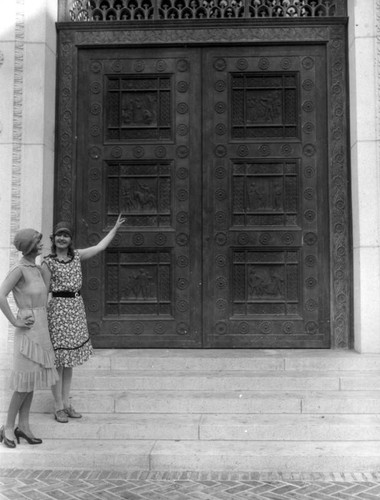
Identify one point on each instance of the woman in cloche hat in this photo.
(33, 358)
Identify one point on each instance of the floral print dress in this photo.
(66, 315)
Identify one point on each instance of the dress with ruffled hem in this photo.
(33, 357)
(33, 353)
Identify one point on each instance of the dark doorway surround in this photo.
(233, 175)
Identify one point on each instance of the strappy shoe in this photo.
(70, 412)
(8, 442)
(61, 416)
(31, 440)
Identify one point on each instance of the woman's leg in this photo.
(17, 400)
(23, 418)
(66, 385)
(57, 390)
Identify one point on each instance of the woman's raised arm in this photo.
(87, 253)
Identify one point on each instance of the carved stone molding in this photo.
(206, 35)
(339, 197)
(65, 133)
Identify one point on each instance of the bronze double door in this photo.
(217, 159)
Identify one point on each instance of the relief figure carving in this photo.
(264, 282)
(139, 285)
(278, 197)
(137, 197)
(264, 107)
(139, 109)
(265, 194)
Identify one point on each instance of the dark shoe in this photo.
(70, 412)
(8, 442)
(61, 416)
(19, 433)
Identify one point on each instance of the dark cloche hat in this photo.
(63, 227)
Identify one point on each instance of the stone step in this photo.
(224, 402)
(195, 455)
(232, 359)
(290, 427)
(227, 380)
(219, 381)
(211, 427)
(224, 359)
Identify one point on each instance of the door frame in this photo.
(331, 33)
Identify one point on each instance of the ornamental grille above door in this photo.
(174, 10)
(228, 163)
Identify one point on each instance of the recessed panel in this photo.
(265, 193)
(264, 105)
(138, 108)
(141, 191)
(265, 282)
(138, 283)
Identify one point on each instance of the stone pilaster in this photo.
(27, 80)
(364, 45)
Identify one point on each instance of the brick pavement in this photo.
(18, 484)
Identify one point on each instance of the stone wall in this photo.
(27, 82)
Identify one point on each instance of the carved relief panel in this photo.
(268, 241)
(139, 158)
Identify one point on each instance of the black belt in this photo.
(66, 294)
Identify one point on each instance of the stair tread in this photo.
(212, 375)
(297, 393)
(98, 419)
(326, 354)
(226, 373)
(63, 447)
(322, 360)
(210, 427)
(225, 394)
(194, 455)
(146, 353)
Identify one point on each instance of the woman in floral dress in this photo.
(66, 314)
(33, 355)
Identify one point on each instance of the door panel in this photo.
(140, 158)
(266, 239)
(217, 159)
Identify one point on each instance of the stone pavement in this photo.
(17, 484)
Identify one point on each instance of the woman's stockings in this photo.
(66, 386)
(61, 390)
(23, 418)
(20, 403)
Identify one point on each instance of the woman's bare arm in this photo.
(87, 253)
(5, 288)
(46, 274)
